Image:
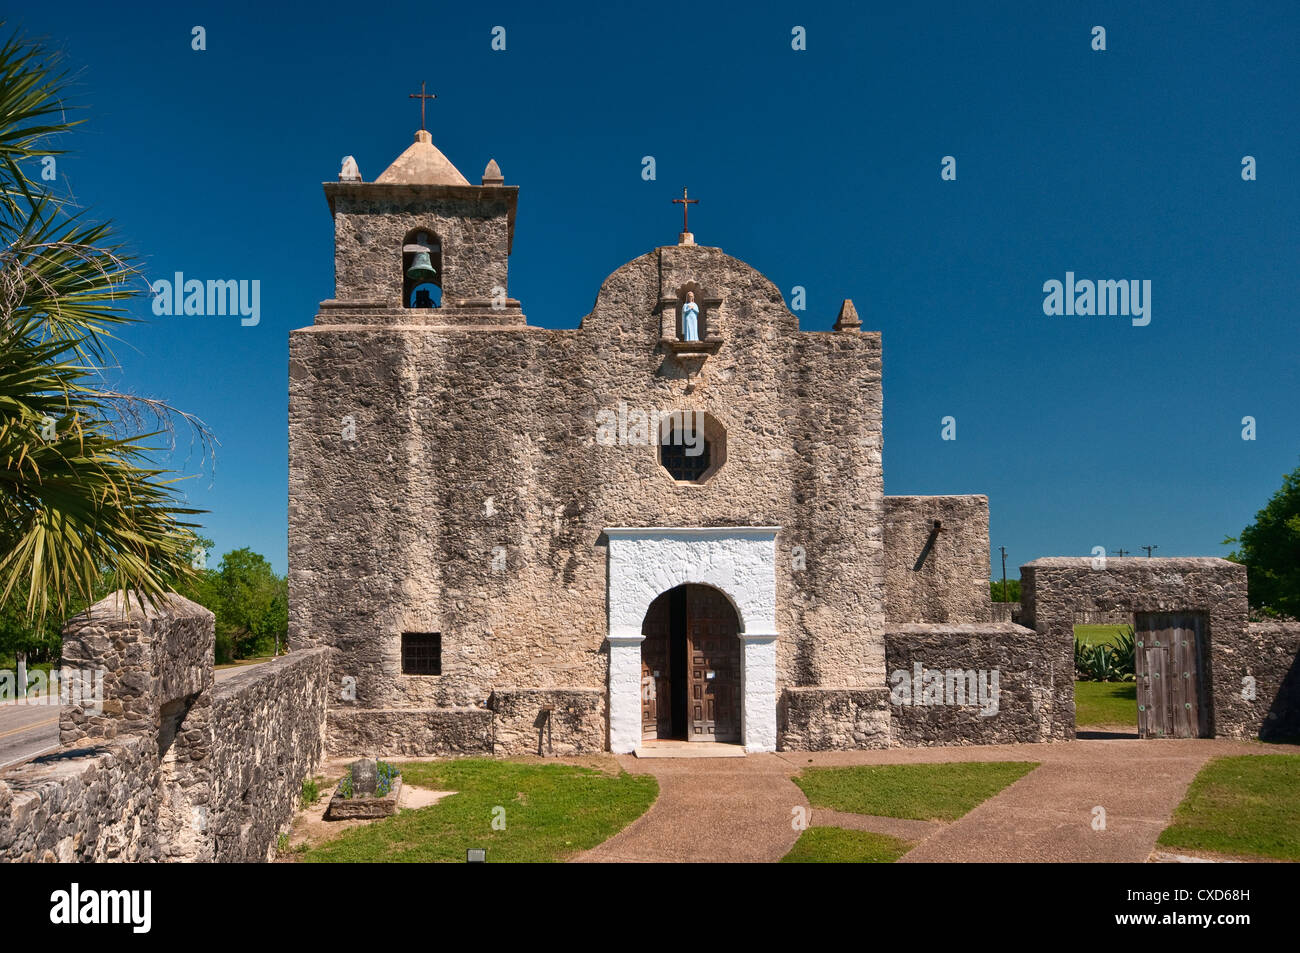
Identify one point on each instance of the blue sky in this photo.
(819, 167)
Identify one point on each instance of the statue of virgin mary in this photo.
(690, 318)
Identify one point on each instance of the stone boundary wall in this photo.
(951, 582)
(84, 803)
(1276, 670)
(833, 719)
(268, 729)
(1035, 685)
(1055, 590)
(166, 765)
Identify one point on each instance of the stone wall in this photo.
(547, 721)
(1274, 663)
(833, 719)
(269, 734)
(408, 732)
(165, 765)
(1054, 591)
(937, 574)
(932, 704)
(93, 802)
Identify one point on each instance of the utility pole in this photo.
(1003, 550)
(1148, 549)
(1121, 553)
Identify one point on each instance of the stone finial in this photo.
(848, 319)
(686, 238)
(492, 174)
(349, 172)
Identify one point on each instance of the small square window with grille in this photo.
(421, 653)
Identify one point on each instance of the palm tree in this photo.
(82, 507)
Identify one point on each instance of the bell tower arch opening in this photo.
(422, 269)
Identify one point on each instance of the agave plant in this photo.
(1124, 652)
(80, 499)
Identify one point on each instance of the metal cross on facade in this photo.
(686, 204)
(422, 96)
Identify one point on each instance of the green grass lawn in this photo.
(1105, 703)
(1099, 634)
(1246, 806)
(925, 792)
(550, 812)
(835, 845)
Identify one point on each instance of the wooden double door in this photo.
(1170, 669)
(690, 667)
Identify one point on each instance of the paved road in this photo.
(26, 731)
(30, 730)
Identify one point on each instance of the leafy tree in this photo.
(1270, 550)
(250, 602)
(80, 501)
(1012, 593)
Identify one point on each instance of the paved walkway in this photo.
(740, 810)
(710, 809)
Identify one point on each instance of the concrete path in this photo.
(730, 810)
(741, 810)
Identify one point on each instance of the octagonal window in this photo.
(692, 445)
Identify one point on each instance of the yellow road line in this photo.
(37, 724)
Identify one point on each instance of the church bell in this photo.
(421, 269)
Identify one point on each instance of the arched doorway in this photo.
(690, 666)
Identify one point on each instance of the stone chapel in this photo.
(605, 538)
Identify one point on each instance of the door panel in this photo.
(713, 666)
(656, 684)
(1170, 675)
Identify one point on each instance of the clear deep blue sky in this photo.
(820, 168)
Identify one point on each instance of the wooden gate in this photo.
(1170, 667)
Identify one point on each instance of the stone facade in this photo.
(166, 764)
(446, 477)
(450, 479)
(937, 558)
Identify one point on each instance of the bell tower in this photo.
(420, 245)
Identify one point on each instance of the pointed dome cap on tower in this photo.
(422, 164)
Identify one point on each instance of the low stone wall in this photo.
(937, 574)
(1004, 612)
(91, 803)
(268, 729)
(548, 721)
(1274, 664)
(833, 719)
(165, 765)
(410, 732)
(933, 670)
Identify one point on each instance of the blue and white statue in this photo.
(690, 318)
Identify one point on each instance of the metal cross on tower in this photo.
(422, 96)
(686, 204)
